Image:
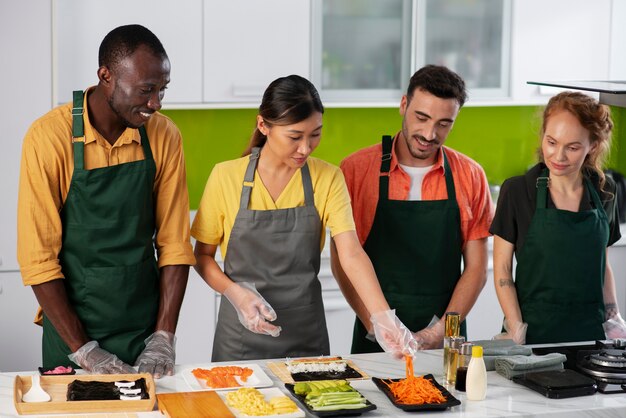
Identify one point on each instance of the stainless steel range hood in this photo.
(611, 92)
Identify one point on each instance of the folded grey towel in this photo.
(494, 348)
(509, 366)
(503, 348)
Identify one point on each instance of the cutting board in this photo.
(193, 404)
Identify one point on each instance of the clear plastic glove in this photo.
(515, 331)
(431, 336)
(252, 310)
(392, 335)
(615, 327)
(159, 356)
(98, 361)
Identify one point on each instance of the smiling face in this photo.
(426, 123)
(136, 85)
(565, 144)
(292, 144)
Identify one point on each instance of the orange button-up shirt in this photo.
(362, 172)
(46, 172)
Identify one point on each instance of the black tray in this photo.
(337, 413)
(450, 400)
(558, 384)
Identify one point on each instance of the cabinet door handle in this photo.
(248, 91)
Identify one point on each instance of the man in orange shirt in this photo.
(102, 184)
(420, 209)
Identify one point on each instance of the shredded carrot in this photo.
(414, 390)
(223, 377)
(409, 365)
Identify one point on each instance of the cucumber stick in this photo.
(330, 395)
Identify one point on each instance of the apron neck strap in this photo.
(307, 185)
(78, 128)
(145, 143)
(248, 181)
(542, 188)
(385, 166)
(449, 179)
(595, 197)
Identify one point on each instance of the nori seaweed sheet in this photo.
(349, 373)
(80, 390)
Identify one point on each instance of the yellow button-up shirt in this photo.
(46, 172)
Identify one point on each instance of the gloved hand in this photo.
(253, 311)
(159, 356)
(98, 361)
(515, 331)
(392, 335)
(431, 336)
(615, 327)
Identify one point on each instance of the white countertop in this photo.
(504, 398)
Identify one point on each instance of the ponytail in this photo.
(257, 140)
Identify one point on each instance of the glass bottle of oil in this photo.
(453, 324)
(451, 354)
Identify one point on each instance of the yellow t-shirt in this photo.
(220, 202)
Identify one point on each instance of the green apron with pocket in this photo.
(559, 276)
(415, 247)
(107, 253)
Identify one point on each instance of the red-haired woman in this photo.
(558, 219)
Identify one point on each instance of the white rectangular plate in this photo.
(258, 379)
(268, 393)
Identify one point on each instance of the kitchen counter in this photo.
(504, 398)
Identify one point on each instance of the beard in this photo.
(113, 106)
(412, 146)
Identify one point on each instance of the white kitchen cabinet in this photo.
(249, 43)
(20, 338)
(558, 40)
(80, 26)
(361, 49)
(485, 319)
(339, 315)
(229, 51)
(471, 37)
(196, 323)
(617, 70)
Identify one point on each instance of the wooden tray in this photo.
(193, 404)
(279, 368)
(56, 386)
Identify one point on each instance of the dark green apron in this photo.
(107, 252)
(415, 247)
(560, 271)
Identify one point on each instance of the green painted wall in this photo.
(502, 139)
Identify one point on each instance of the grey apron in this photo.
(279, 251)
